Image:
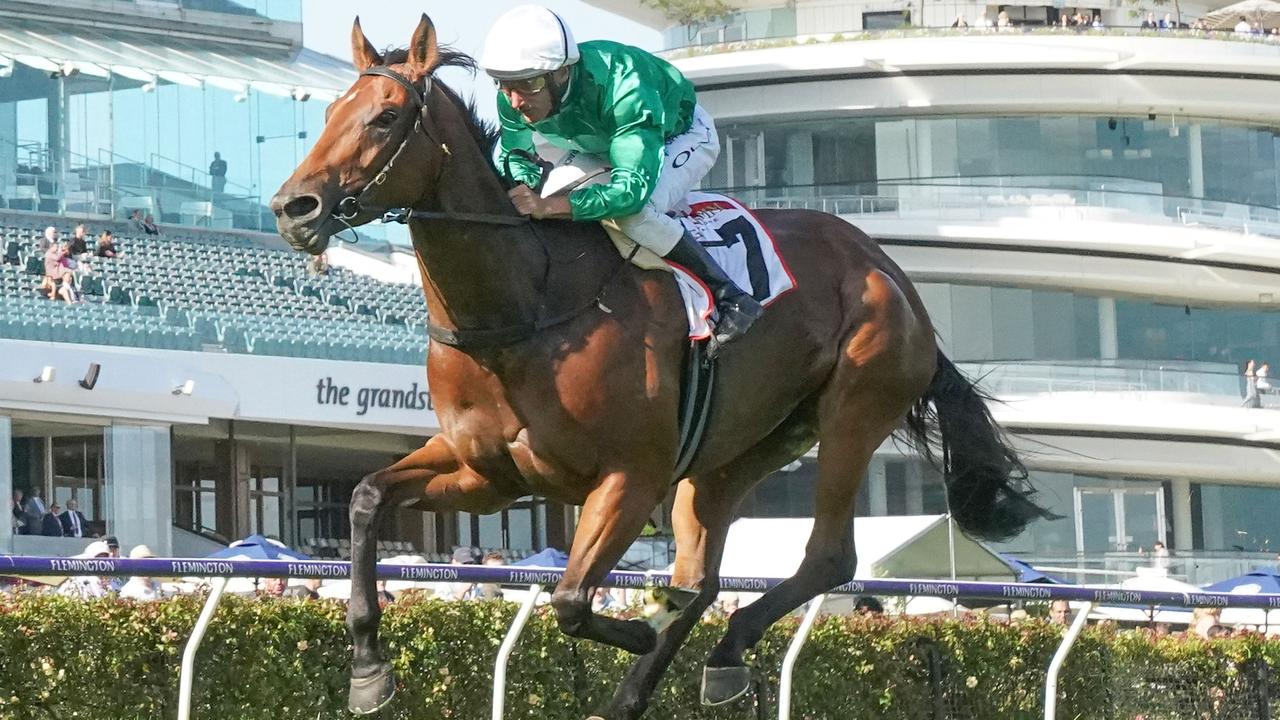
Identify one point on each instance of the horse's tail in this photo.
(987, 487)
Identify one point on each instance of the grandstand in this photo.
(207, 290)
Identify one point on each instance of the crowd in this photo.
(1083, 19)
(29, 515)
(65, 257)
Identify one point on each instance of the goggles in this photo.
(527, 86)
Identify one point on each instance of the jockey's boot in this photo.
(737, 309)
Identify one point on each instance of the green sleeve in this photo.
(515, 135)
(635, 154)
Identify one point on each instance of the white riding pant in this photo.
(687, 158)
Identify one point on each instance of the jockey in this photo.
(626, 106)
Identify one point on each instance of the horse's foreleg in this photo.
(612, 518)
(430, 478)
(701, 516)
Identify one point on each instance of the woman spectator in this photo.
(149, 226)
(58, 277)
(107, 247)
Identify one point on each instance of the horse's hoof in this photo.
(372, 693)
(721, 685)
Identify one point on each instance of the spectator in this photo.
(1167, 23)
(218, 173)
(113, 546)
(33, 510)
(73, 521)
(1097, 22)
(1149, 23)
(1243, 29)
(385, 597)
(107, 246)
(308, 590)
(1251, 397)
(49, 239)
(272, 587)
(1203, 620)
(87, 587)
(1159, 555)
(17, 521)
(490, 591)
(79, 243)
(960, 23)
(149, 226)
(460, 590)
(1264, 378)
(867, 605)
(136, 221)
(141, 588)
(58, 278)
(1060, 612)
(318, 264)
(51, 523)
(1002, 22)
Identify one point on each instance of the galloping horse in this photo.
(556, 367)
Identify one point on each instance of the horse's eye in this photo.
(385, 119)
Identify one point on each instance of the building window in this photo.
(888, 20)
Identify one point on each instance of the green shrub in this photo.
(277, 660)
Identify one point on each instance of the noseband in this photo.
(351, 206)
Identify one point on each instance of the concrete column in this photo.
(6, 479)
(915, 490)
(878, 496)
(1108, 339)
(8, 152)
(1195, 161)
(140, 486)
(1181, 514)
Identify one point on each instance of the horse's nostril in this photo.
(301, 206)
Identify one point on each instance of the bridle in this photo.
(352, 206)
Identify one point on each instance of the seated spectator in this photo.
(136, 221)
(79, 241)
(489, 591)
(51, 524)
(49, 239)
(149, 226)
(318, 265)
(107, 246)
(141, 588)
(1003, 24)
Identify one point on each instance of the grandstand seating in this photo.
(206, 290)
(340, 548)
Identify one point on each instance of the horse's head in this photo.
(378, 149)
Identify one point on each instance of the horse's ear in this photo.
(423, 51)
(363, 56)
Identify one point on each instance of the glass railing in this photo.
(748, 37)
(284, 10)
(1064, 197)
(1214, 382)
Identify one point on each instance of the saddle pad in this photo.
(742, 246)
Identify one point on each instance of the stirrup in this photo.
(736, 318)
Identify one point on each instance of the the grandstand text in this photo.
(367, 398)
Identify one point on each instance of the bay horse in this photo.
(555, 368)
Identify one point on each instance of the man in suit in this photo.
(73, 521)
(51, 524)
(33, 511)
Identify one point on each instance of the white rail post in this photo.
(193, 644)
(793, 652)
(1059, 657)
(504, 652)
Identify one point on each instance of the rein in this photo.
(354, 205)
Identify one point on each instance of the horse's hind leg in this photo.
(856, 413)
(431, 479)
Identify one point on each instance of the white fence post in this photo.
(504, 652)
(793, 652)
(193, 644)
(1059, 657)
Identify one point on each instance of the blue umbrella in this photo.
(549, 557)
(1028, 574)
(257, 547)
(1258, 581)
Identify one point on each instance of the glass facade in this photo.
(1192, 157)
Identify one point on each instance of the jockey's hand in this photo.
(527, 202)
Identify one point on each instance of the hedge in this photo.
(281, 659)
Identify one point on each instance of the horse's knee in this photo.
(366, 500)
(573, 611)
(835, 567)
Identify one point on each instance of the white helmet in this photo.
(527, 41)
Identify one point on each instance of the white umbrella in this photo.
(1266, 12)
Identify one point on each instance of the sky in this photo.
(327, 28)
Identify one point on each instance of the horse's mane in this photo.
(485, 133)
